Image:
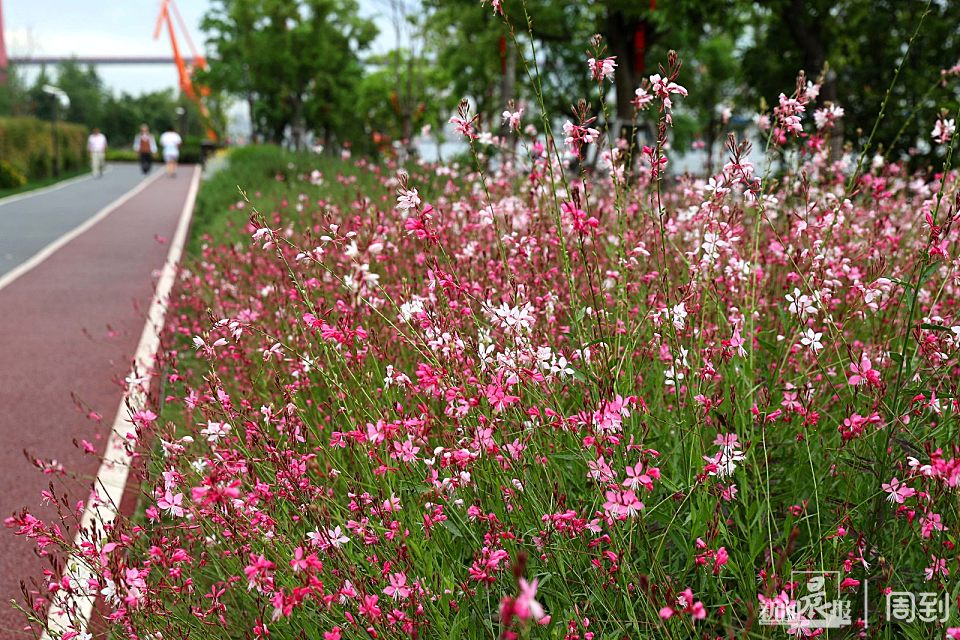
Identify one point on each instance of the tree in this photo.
(482, 60)
(470, 44)
(295, 61)
(401, 93)
(86, 91)
(12, 94)
(862, 41)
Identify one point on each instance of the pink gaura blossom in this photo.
(685, 604)
(663, 88)
(863, 373)
(943, 130)
(602, 69)
(397, 589)
(897, 492)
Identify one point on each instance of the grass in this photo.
(221, 213)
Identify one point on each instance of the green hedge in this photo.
(10, 176)
(27, 145)
(189, 154)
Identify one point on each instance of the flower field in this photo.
(513, 399)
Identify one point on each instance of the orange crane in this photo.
(191, 89)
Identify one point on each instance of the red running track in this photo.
(68, 332)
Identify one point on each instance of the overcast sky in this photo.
(120, 28)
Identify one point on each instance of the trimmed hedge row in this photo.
(26, 144)
(189, 154)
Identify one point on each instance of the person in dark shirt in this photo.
(146, 146)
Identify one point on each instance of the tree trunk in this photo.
(619, 33)
(807, 37)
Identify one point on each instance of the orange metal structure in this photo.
(195, 92)
(3, 50)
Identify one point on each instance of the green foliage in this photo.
(862, 41)
(12, 94)
(467, 39)
(123, 115)
(10, 176)
(295, 61)
(27, 144)
(93, 105)
(272, 169)
(122, 155)
(404, 91)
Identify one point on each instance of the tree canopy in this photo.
(296, 62)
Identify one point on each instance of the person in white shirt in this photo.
(170, 142)
(97, 146)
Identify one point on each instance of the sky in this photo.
(121, 28)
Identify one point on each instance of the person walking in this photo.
(170, 142)
(146, 146)
(97, 147)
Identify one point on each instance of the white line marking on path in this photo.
(54, 187)
(37, 258)
(72, 612)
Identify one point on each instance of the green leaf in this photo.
(929, 271)
(452, 528)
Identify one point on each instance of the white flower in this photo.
(215, 430)
(410, 308)
(516, 318)
(407, 199)
(801, 304)
(825, 118)
(943, 130)
(811, 339)
(337, 537)
(679, 316)
(672, 377)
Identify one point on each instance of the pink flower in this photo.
(496, 4)
(602, 69)
(172, 504)
(897, 492)
(512, 118)
(259, 572)
(407, 199)
(398, 586)
(369, 607)
(721, 560)
(637, 478)
(463, 126)
(737, 342)
(578, 135)
(943, 130)
(937, 567)
(685, 604)
(526, 605)
(642, 98)
(863, 373)
(664, 88)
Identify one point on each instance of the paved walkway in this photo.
(30, 221)
(68, 331)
